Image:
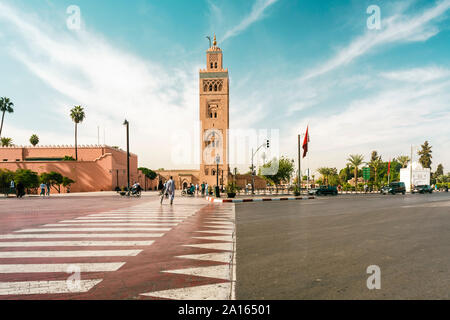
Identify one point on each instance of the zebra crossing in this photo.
(218, 232)
(48, 256)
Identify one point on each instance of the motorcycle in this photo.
(187, 193)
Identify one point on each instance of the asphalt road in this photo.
(320, 249)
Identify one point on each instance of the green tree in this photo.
(425, 155)
(326, 173)
(439, 170)
(6, 142)
(54, 179)
(345, 174)
(5, 106)
(28, 178)
(148, 173)
(77, 114)
(355, 160)
(5, 178)
(66, 182)
(284, 173)
(375, 163)
(34, 140)
(403, 160)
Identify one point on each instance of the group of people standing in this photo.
(19, 189)
(168, 190)
(45, 189)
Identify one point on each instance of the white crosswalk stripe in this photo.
(60, 267)
(69, 254)
(90, 229)
(45, 287)
(80, 235)
(122, 233)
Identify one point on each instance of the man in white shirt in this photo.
(169, 189)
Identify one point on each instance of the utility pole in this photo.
(127, 124)
(299, 182)
(410, 171)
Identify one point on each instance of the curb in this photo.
(215, 200)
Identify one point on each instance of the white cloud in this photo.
(417, 75)
(255, 14)
(397, 28)
(110, 83)
(388, 120)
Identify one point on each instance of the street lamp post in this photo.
(217, 177)
(127, 124)
(253, 167)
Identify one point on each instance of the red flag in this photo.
(389, 167)
(305, 143)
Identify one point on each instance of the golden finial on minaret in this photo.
(215, 42)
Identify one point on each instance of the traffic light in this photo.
(268, 144)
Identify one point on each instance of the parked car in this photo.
(394, 187)
(422, 189)
(322, 190)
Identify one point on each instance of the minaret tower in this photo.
(214, 118)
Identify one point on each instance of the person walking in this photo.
(48, 189)
(169, 190)
(20, 190)
(12, 187)
(43, 187)
(203, 189)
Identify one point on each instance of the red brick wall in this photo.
(101, 172)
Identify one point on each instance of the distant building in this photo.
(420, 175)
(99, 168)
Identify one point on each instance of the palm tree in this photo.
(6, 142)
(34, 140)
(5, 106)
(375, 163)
(355, 160)
(77, 115)
(325, 172)
(425, 155)
(403, 160)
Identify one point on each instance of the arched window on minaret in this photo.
(215, 65)
(210, 87)
(212, 65)
(215, 114)
(215, 87)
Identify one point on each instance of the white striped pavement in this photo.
(69, 254)
(228, 231)
(120, 220)
(45, 287)
(91, 229)
(122, 224)
(60, 267)
(80, 235)
(75, 243)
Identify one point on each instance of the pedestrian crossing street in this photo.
(45, 259)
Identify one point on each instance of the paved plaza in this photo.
(103, 246)
(108, 247)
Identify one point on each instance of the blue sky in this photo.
(292, 63)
